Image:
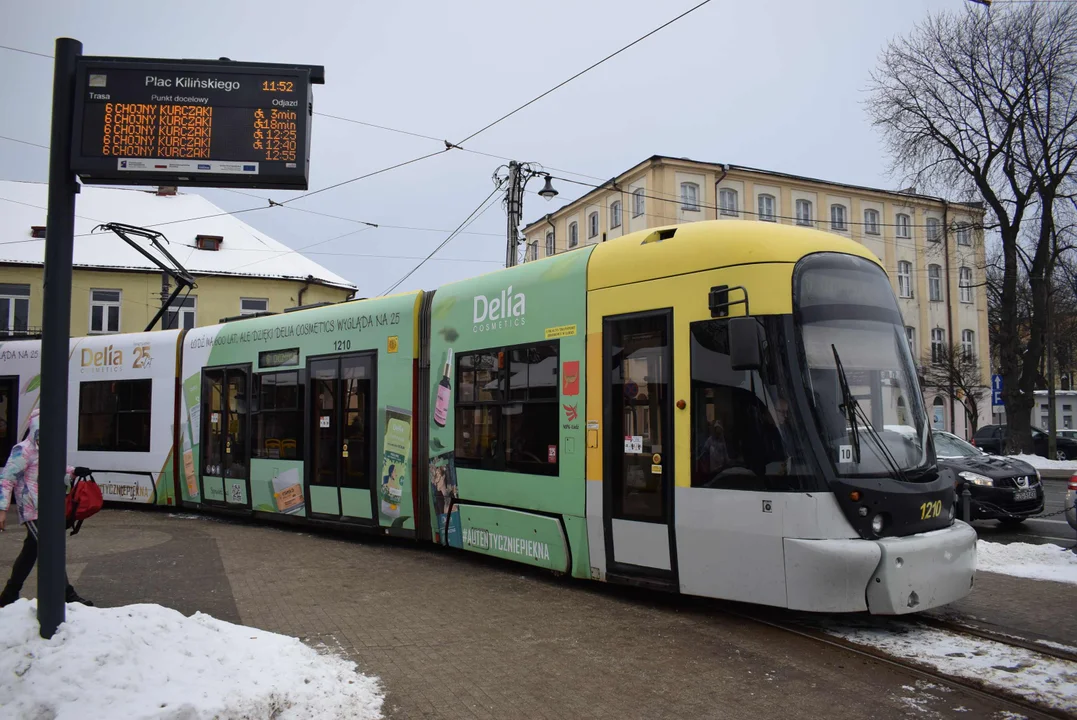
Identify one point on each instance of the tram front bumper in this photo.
(923, 571)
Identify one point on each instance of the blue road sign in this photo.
(996, 390)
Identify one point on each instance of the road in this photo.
(1053, 529)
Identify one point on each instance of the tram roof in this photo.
(705, 245)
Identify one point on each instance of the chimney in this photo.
(37, 231)
(166, 190)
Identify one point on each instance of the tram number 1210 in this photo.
(931, 510)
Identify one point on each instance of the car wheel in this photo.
(1060, 455)
(1010, 522)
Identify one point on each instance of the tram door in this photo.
(226, 436)
(341, 479)
(9, 416)
(638, 471)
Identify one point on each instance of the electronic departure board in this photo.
(193, 123)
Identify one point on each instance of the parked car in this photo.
(1071, 434)
(1002, 488)
(991, 439)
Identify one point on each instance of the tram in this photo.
(726, 409)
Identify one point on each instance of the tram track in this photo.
(1008, 700)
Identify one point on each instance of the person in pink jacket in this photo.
(18, 480)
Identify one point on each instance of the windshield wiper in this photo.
(854, 413)
(848, 405)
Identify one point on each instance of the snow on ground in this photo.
(1038, 678)
(1039, 562)
(148, 661)
(1042, 463)
(1058, 646)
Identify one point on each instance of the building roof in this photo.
(656, 159)
(244, 251)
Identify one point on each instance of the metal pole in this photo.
(165, 292)
(55, 343)
(1052, 419)
(512, 208)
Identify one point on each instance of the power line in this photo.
(585, 70)
(28, 52)
(731, 212)
(363, 177)
(24, 142)
(474, 214)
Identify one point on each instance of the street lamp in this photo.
(515, 177)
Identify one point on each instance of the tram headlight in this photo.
(976, 478)
(877, 523)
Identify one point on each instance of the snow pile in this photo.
(1041, 463)
(1039, 562)
(1039, 678)
(147, 661)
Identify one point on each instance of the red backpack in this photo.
(84, 500)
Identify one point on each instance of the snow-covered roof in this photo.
(244, 252)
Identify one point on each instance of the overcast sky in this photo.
(770, 83)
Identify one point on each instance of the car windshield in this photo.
(849, 325)
(947, 445)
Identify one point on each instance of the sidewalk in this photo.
(458, 636)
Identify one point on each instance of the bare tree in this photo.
(983, 103)
(949, 369)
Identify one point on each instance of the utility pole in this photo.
(165, 292)
(513, 207)
(514, 178)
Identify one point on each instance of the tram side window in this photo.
(114, 415)
(278, 416)
(507, 409)
(743, 434)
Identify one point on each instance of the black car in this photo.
(991, 438)
(1002, 488)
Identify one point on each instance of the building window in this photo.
(690, 197)
(938, 413)
(181, 313)
(253, 306)
(592, 225)
(638, 206)
(114, 415)
(550, 247)
(938, 345)
(1065, 381)
(934, 283)
(910, 334)
(934, 233)
(507, 412)
(727, 201)
(532, 251)
(278, 416)
(1066, 408)
(766, 208)
(905, 279)
(105, 311)
(14, 308)
(964, 237)
(573, 234)
(871, 222)
(964, 282)
(902, 225)
(208, 242)
(837, 217)
(803, 212)
(967, 344)
(615, 215)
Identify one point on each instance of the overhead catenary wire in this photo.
(582, 72)
(482, 207)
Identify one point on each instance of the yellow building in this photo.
(932, 249)
(238, 270)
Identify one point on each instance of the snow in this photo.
(1042, 463)
(1058, 646)
(1038, 562)
(148, 661)
(1037, 678)
(243, 252)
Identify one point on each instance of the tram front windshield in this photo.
(858, 369)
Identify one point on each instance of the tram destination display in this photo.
(192, 123)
